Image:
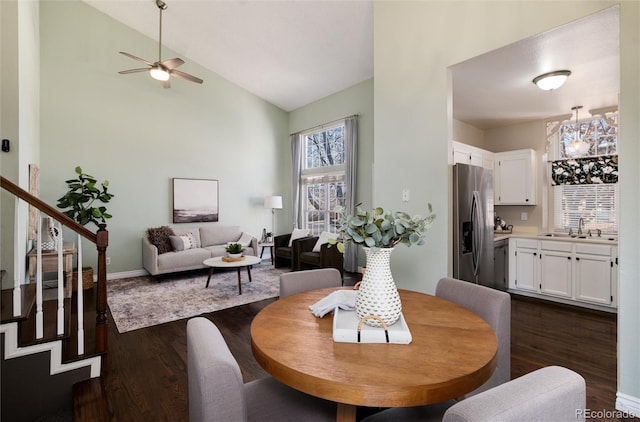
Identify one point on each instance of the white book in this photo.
(345, 330)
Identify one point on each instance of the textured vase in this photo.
(48, 235)
(378, 294)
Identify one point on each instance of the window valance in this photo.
(585, 171)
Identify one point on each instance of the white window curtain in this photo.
(351, 170)
(296, 172)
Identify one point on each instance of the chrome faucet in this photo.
(580, 226)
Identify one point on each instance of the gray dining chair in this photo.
(302, 281)
(552, 393)
(494, 306)
(217, 392)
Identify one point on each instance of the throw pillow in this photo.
(324, 238)
(159, 237)
(245, 239)
(298, 234)
(183, 242)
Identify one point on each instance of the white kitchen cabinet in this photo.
(555, 268)
(515, 177)
(525, 270)
(573, 272)
(467, 154)
(594, 266)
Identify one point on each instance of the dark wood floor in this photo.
(147, 374)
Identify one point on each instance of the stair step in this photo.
(90, 401)
(28, 295)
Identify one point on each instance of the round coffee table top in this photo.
(218, 262)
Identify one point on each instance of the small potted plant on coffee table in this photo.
(234, 250)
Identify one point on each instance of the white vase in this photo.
(378, 294)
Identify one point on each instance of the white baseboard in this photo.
(628, 405)
(125, 274)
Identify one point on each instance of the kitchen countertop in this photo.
(606, 240)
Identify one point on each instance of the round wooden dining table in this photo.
(453, 351)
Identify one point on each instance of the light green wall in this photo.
(131, 131)
(20, 111)
(414, 43)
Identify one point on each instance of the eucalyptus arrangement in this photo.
(83, 192)
(378, 228)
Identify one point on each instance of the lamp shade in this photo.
(273, 202)
(551, 80)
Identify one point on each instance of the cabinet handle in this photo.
(535, 254)
(577, 258)
(569, 258)
(526, 200)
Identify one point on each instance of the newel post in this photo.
(102, 241)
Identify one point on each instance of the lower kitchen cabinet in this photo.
(574, 272)
(501, 263)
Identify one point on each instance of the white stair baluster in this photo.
(58, 240)
(17, 286)
(39, 314)
(80, 298)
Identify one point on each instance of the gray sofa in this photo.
(210, 241)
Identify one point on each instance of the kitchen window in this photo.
(323, 178)
(584, 179)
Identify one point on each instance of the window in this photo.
(323, 178)
(584, 179)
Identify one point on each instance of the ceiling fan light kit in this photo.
(551, 80)
(162, 70)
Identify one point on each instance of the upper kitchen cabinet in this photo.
(515, 177)
(467, 154)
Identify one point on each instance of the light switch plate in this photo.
(524, 216)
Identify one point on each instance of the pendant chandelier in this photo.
(579, 147)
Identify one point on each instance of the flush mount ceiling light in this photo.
(551, 80)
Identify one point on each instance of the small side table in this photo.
(50, 263)
(266, 245)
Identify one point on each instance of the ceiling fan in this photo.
(162, 70)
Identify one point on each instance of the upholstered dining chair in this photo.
(494, 306)
(302, 281)
(552, 393)
(217, 392)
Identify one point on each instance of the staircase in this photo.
(47, 350)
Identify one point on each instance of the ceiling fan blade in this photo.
(137, 58)
(124, 72)
(186, 76)
(172, 63)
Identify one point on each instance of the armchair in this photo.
(328, 257)
(285, 255)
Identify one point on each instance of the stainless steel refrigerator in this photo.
(473, 224)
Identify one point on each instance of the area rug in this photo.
(141, 302)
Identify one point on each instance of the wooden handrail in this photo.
(100, 239)
(47, 209)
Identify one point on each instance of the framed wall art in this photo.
(195, 200)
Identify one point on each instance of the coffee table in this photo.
(217, 262)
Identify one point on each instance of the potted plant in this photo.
(80, 197)
(82, 194)
(379, 231)
(234, 250)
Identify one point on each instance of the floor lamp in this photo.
(275, 203)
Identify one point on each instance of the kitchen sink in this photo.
(575, 236)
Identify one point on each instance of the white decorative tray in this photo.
(345, 330)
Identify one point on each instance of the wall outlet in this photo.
(108, 261)
(405, 195)
(524, 216)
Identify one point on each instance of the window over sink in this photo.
(585, 185)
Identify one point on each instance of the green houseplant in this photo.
(378, 228)
(82, 194)
(234, 249)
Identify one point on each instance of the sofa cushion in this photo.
(195, 232)
(219, 235)
(183, 242)
(159, 237)
(310, 258)
(245, 239)
(183, 260)
(298, 234)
